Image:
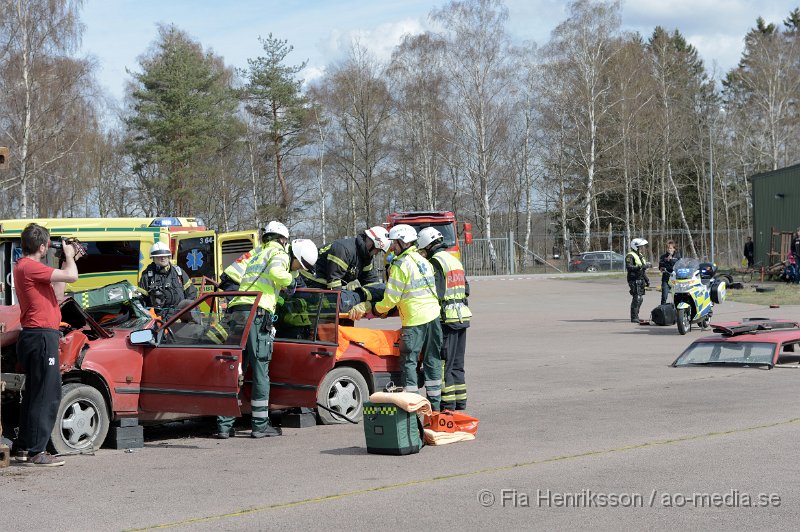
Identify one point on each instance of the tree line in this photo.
(597, 127)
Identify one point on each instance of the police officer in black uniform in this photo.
(636, 266)
(166, 287)
(666, 263)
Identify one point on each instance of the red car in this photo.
(755, 343)
(136, 366)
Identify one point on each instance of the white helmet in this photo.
(160, 249)
(428, 236)
(276, 228)
(636, 243)
(404, 233)
(305, 251)
(379, 236)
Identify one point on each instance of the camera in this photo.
(59, 243)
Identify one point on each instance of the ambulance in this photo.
(118, 249)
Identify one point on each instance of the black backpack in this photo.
(664, 315)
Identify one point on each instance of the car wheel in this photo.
(82, 421)
(684, 325)
(343, 390)
(591, 268)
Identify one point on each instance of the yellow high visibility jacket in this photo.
(267, 272)
(412, 289)
(236, 270)
(454, 308)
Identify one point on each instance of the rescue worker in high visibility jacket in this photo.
(268, 271)
(636, 265)
(452, 289)
(166, 286)
(346, 264)
(412, 289)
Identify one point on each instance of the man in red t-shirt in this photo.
(39, 287)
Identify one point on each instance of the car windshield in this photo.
(724, 353)
(685, 268)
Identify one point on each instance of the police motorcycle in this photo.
(694, 292)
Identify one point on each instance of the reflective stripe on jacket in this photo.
(267, 272)
(236, 270)
(454, 308)
(412, 289)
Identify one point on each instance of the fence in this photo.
(546, 253)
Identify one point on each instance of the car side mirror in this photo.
(142, 336)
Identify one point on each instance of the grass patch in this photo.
(784, 294)
(581, 276)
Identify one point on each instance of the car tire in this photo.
(592, 268)
(684, 324)
(343, 390)
(82, 421)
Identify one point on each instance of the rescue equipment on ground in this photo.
(391, 423)
(451, 422)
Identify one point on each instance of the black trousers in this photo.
(454, 345)
(637, 296)
(37, 351)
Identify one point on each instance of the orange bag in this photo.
(449, 421)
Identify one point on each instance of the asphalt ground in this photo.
(583, 425)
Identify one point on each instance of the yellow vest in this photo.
(236, 270)
(455, 292)
(637, 259)
(267, 272)
(412, 289)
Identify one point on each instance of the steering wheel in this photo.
(168, 334)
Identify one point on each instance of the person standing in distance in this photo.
(636, 266)
(666, 263)
(39, 289)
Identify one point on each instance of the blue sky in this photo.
(119, 31)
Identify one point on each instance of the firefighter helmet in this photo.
(160, 249)
(305, 251)
(404, 233)
(276, 228)
(428, 236)
(379, 236)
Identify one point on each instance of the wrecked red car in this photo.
(118, 363)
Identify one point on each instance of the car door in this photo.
(195, 366)
(305, 346)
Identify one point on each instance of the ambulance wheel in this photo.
(82, 421)
(343, 390)
(684, 325)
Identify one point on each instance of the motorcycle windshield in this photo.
(685, 268)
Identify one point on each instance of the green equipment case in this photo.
(391, 430)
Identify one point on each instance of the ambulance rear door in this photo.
(195, 253)
(231, 246)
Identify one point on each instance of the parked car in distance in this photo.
(594, 261)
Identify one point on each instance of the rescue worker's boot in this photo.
(266, 432)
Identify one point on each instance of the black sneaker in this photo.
(20, 456)
(44, 459)
(268, 432)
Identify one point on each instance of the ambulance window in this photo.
(196, 256)
(111, 256)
